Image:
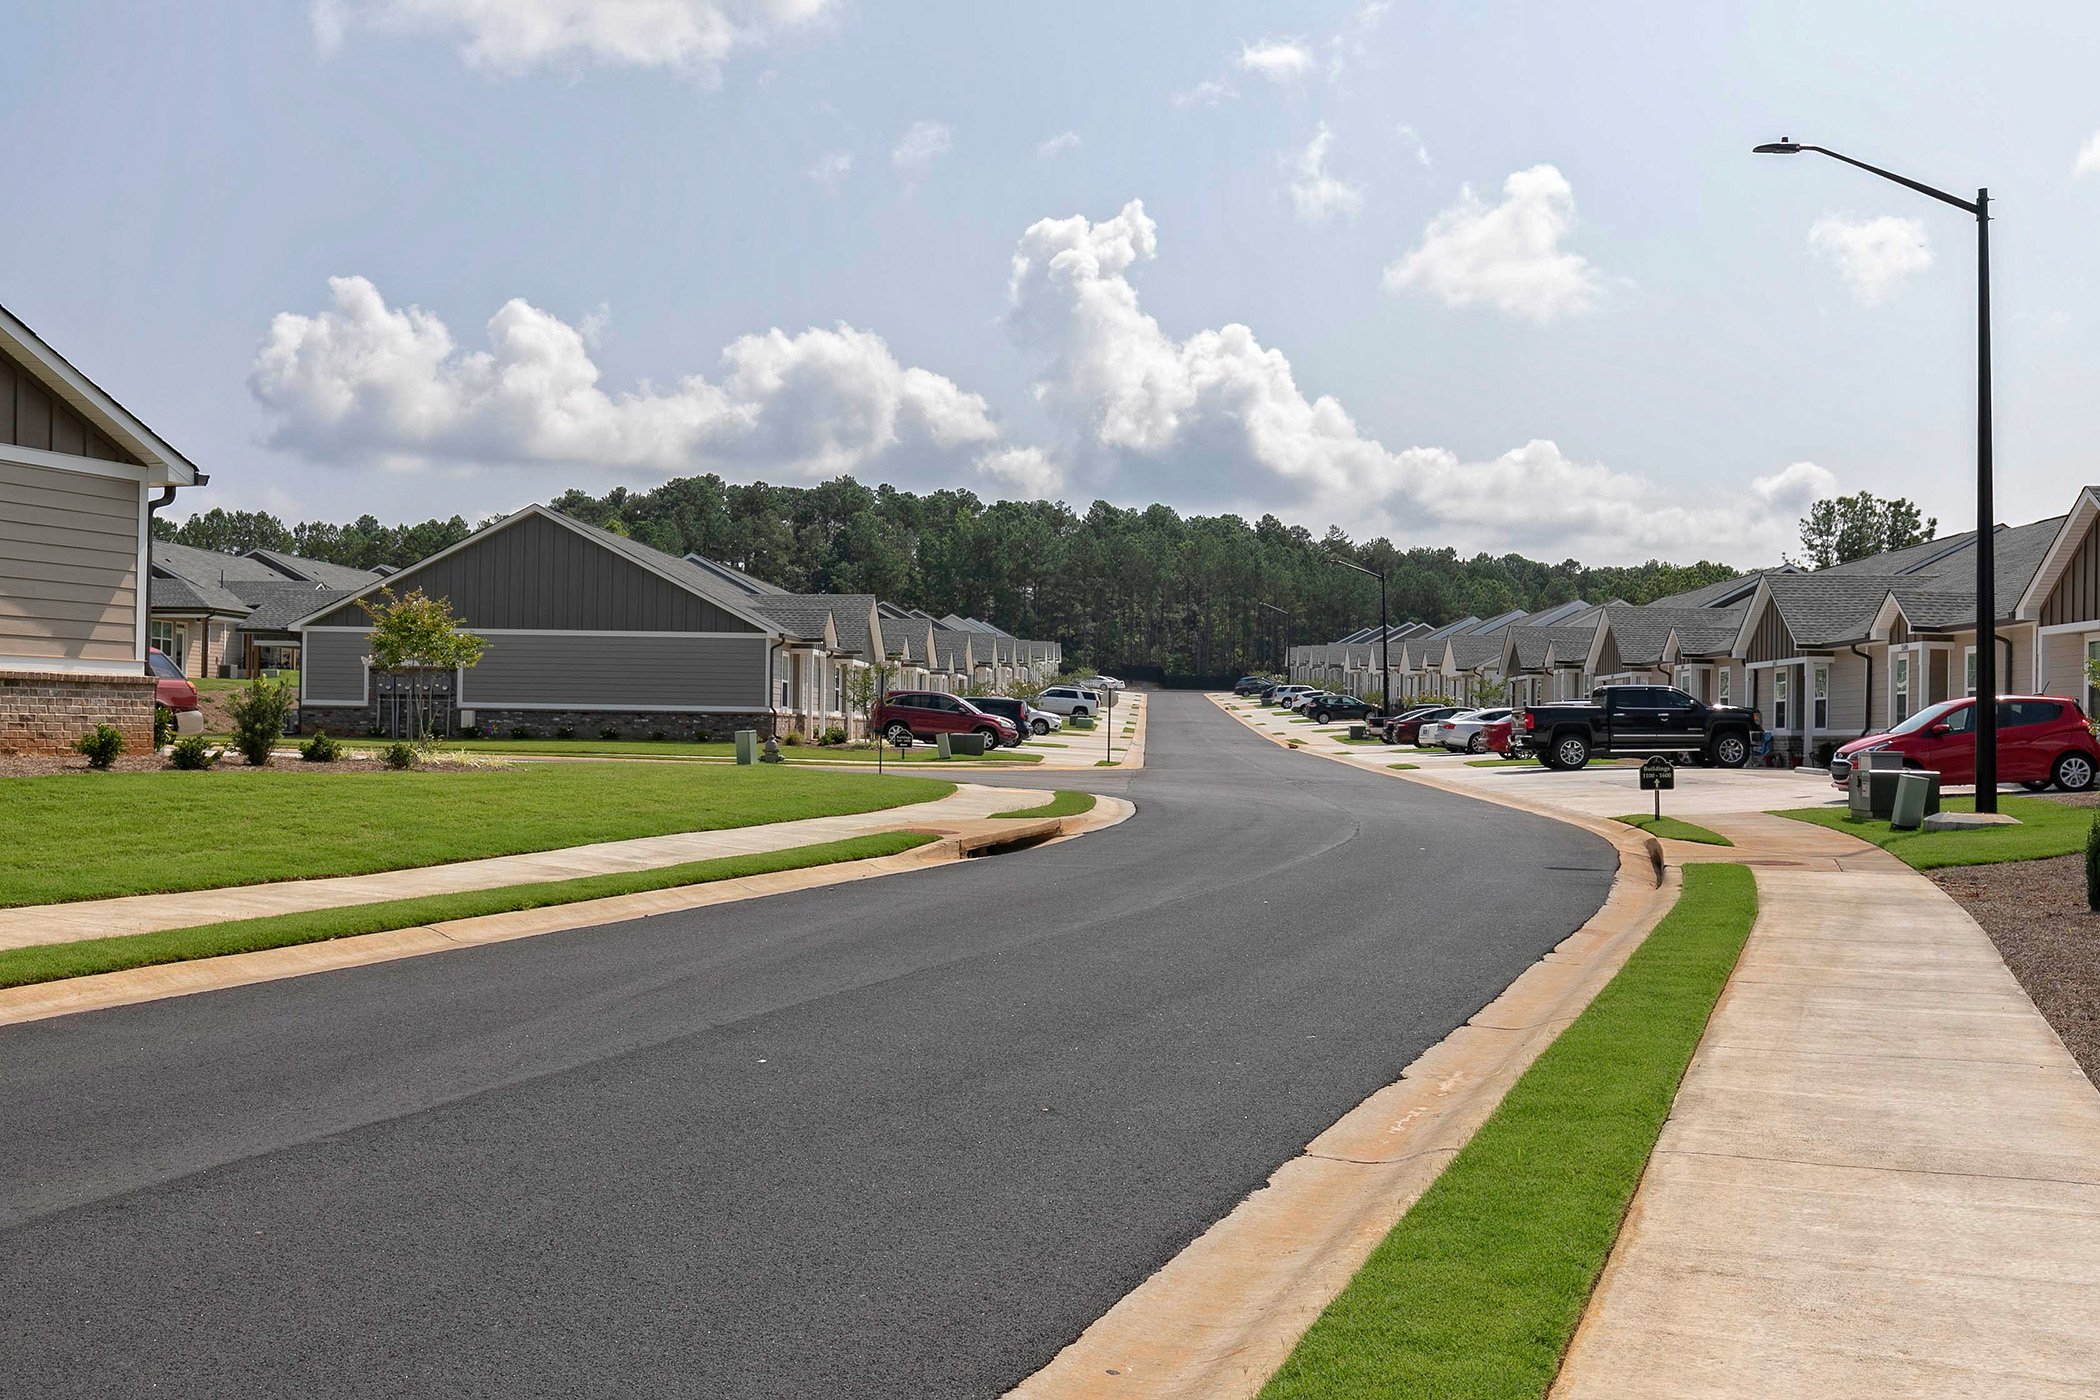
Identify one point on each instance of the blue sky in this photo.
(1494, 276)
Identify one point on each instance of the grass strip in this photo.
(1475, 1293)
(50, 962)
(1404, 767)
(2046, 829)
(98, 835)
(1062, 803)
(1671, 829)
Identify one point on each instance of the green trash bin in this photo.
(1912, 790)
(747, 746)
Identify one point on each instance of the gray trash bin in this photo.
(1912, 790)
(747, 746)
(968, 745)
(1358, 731)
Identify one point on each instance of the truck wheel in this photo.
(2073, 772)
(1571, 752)
(899, 736)
(1730, 750)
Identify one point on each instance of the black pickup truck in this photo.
(1638, 719)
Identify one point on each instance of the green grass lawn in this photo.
(2046, 829)
(1475, 1293)
(92, 836)
(650, 748)
(21, 966)
(213, 685)
(1063, 803)
(1670, 828)
(1405, 767)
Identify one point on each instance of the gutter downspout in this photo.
(154, 505)
(1867, 703)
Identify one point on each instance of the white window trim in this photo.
(1782, 699)
(1819, 696)
(1907, 654)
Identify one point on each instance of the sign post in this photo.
(1658, 775)
(1108, 719)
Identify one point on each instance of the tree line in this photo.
(1129, 588)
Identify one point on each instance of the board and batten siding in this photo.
(69, 562)
(596, 670)
(32, 416)
(1772, 641)
(2076, 597)
(537, 573)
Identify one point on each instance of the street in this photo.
(904, 1137)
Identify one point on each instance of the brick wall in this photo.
(45, 711)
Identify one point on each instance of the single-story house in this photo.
(216, 614)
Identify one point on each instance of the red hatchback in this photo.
(905, 715)
(174, 690)
(2042, 739)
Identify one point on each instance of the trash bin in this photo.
(1912, 789)
(1358, 731)
(968, 745)
(944, 745)
(747, 746)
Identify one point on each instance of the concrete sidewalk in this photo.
(106, 918)
(1881, 1176)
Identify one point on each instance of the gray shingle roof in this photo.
(1825, 608)
(208, 566)
(1910, 559)
(178, 595)
(278, 605)
(1642, 633)
(1732, 590)
(2017, 553)
(298, 567)
(1712, 633)
(1472, 650)
(849, 613)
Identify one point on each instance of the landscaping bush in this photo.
(2092, 865)
(163, 726)
(470, 731)
(320, 749)
(608, 733)
(192, 755)
(399, 756)
(791, 738)
(657, 736)
(521, 732)
(100, 745)
(258, 718)
(834, 736)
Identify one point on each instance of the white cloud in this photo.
(921, 145)
(1318, 195)
(1058, 145)
(1027, 473)
(509, 37)
(831, 170)
(364, 383)
(1218, 421)
(1874, 256)
(1412, 139)
(1208, 93)
(1278, 60)
(2088, 162)
(1507, 254)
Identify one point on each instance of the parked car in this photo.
(1465, 732)
(1284, 694)
(1640, 719)
(174, 690)
(1407, 728)
(2042, 740)
(1068, 700)
(1251, 685)
(1019, 713)
(1495, 737)
(905, 715)
(1329, 709)
(1102, 683)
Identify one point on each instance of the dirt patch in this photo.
(2035, 911)
(18, 766)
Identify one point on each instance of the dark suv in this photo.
(905, 715)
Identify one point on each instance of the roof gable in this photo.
(135, 442)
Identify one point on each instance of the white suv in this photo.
(1068, 700)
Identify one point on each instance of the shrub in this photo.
(521, 732)
(608, 733)
(163, 726)
(399, 755)
(100, 745)
(258, 718)
(470, 731)
(657, 736)
(834, 736)
(2092, 865)
(192, 755)
(320, 749)
(791, 738)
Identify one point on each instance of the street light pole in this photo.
(1986, 513)
(1385, 633)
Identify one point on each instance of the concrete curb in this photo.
(100, 991)
(1221, 1316)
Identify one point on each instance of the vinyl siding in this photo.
(332, 667)
(68, 565)
(2063, 663)
(1848, 694)
(541, 574)
(596, 671)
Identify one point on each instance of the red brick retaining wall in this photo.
(45, 711)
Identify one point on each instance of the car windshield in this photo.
(162, 667)
(1931, 715)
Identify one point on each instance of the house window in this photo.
(167, 638)
(1968, 663)
(2092, 675)
(780, 679)
(1779, 699)
(838, 689)
(1819, 696)
(1899, 686)
(1725, 676)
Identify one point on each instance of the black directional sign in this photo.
(1658, 774)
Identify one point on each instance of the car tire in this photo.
(899, 736)
(1080, 712)
(1477, 744)
(2073, 772)
(1571, 752)
(990, 737)
(1322, 717)
(1729, 750)
(1039, 727)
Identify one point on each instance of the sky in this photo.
(1492, 276)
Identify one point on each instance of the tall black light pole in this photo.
(1285, 614)
(1385, 633)
(1986, 514)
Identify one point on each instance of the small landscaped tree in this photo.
(865, 686)
(419, 637)
(258, 718)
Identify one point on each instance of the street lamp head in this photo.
(1784, 146)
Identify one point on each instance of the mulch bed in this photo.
(2035, 911)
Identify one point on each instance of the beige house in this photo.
(80, 478)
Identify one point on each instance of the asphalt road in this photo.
(904, 1137)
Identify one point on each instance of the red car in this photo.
(1497, 736)
(2042, 739)
(905, 715)
(1406, 727)
(173, 689)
